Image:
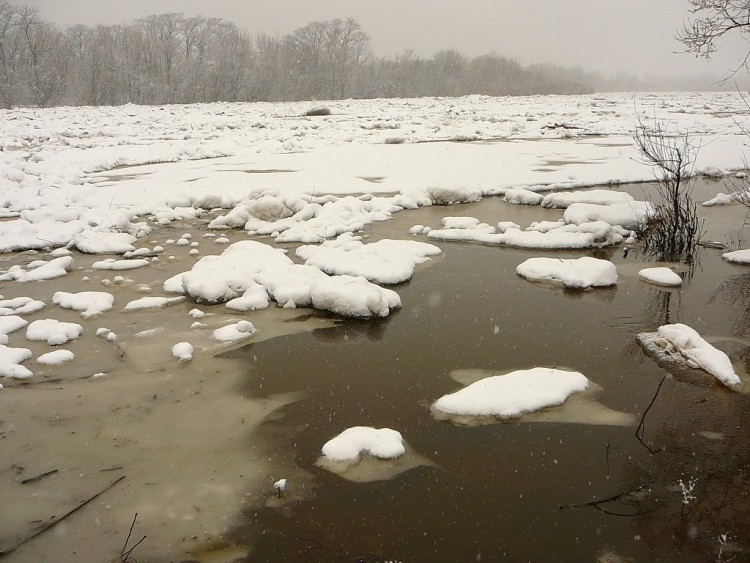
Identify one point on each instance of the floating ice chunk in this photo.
(152, 303)
(10, 362)
(513, 394)
(112, 264)
(558, 238)
(580, 273)
(503, 226)
(89, 303)
(40, 271)
(597, 197)
(382, 443)
(8, 324)
(217, 279)
(291, 283)
(353, 297)
(385, 261)
(53, 332)
(719, 199)
(196, 313)
(631, 215)
(234, 331)
(460, 222)
(174, 284)
(92, 242)
(55, 358)
(521, 196)
(681, 342)
(183, 351)
(738, 256)
(660, 276)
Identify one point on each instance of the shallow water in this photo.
(489, 492)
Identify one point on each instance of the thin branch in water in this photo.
(642, 424)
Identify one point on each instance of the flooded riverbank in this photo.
(201, 444)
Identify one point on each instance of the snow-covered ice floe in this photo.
(183, 351)
(55, 358)
(53, 332)
(580, 273)
(10, 362)
(738, 256)
(234, 332)
(678, 346)
(152, 303)
(660, 276)
(632, 215)
(595, 197)
(89, 303)
(20, 306)
(39, 270)
(532, 395)
(363, 453)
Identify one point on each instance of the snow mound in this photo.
(8, 324)
(292, 285)
(633, 215)
(39, 270)
(384, 262)
(453, 196)
(580, 273)
(89, 303)
(92, 242)
(382, 443)
(218, 279)
(112, 264)
(55, 358)
(233, 332)
(660, 276)
(254, 297)
(53, 332)
(20, 306)
(350, 296)
(719, 199)
(596, 197)
(521, 196)
(183, 351)
(10, 362)
(684, 343)
(513, 394)
(738, 256)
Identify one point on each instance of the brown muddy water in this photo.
(200, 445)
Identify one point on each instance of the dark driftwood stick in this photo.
(597, 501)
(50, 523)
(642, 425)
(38, 477)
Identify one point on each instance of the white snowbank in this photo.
(660, 276)
(680, 339)
(89, 303)
(53, 332)
(738, 256)
(579, 273)
(383, 443)
(183, 351)
(55, 358)
(39, 271)
(10, 362)
(234, 331)
(513, 394)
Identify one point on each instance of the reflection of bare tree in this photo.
(736, 292)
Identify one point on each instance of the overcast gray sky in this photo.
(634, 36)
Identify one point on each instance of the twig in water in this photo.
(56, 520)
(642, 425)
(607, 453)
(38, 477)
(595, 503)
(125, 555)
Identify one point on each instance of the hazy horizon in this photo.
(574, 33)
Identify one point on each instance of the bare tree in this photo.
(711, 21)
(673, 230)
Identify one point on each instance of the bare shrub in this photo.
(674, 230)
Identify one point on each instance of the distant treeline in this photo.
(170, 58)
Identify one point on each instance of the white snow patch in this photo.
(89, 303)
(661, 276)
(682, 340)
(353, 297)
(39, 270)
(596, 197)
(152, 303)
(53, 332)
(234, 331)
(383, 443)
(92, 242)
(55, 358)
(112, 264)
(10, 362)
(183, 351)
(719, 199)
(522, 196)
(513, 394)
(579, 273)
(738, 256)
